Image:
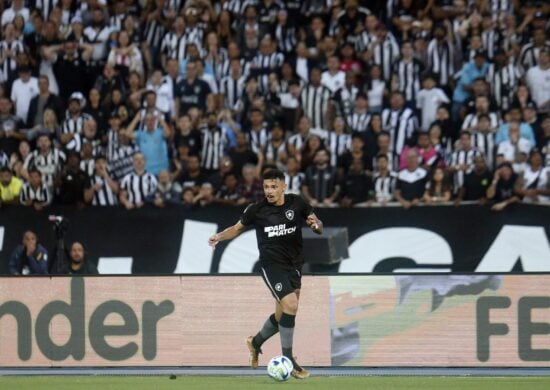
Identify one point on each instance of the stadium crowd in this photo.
(134, 102)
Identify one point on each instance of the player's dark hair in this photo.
(273, 174)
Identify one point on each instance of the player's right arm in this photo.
(227, 234)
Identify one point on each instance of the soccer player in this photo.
(278, 220)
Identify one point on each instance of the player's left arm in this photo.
(314, 223)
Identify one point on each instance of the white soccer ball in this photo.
(280, 368)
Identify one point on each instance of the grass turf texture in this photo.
(234, 382)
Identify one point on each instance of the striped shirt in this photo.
(441, 61)
(49, 165)
(472, 120)
(337, 144)
(174, 46)
(485, 143)
(384, 186)
(461, 157)
(232, 91)
(274, 154)
(408, 77)
(263, 65)
(401, 125)
(345, 100)
(503, 83)
(46, 6)
(105, 196)
(223, 68)
(286, 38)
(9, 66)
(358, 122)
(294, 183)
(73, 125)
(139, 187)
(315, 101)
(213, 146)
(258, 138)
(364, 41)
(385, 55)
(35, 195)
(88, 166)
(76, 143)
(120, 159)
(529, 55)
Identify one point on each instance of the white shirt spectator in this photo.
(22, 94)
(333, 81)
(428, 101)
(10, 13)
(508, 150)
(538, 81)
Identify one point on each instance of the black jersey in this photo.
(279, 229)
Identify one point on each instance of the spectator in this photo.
(275, 152)
(242, 154)
(250, 188)
(10, 127)
(10, 47)
(294, 179)
(357, 186)
(476, 183)
(73, 183)
(399, 121)
(137, 186)
(168, 191)
(384, 180)
(88, 136)
(30, 257)
(471, 71)
(356, 152)
(214, 142)
(228, 191)
(104, 188)
(376, 89)
(538, 81)
(333, 78)
(411, 182)
(192, 176)
(206, 195)
(359, 119)
(35, 193)
(533, 183)
(24, 89)
(502, 188)
(17, 8)
(78, 263)
(69, 61)
(320, 187)
(509, 149)
(75, 118)
(192, 91)
(313, 144)
(438, 188)
(406, 74)
(152, 142)
(41, 102)
(315, 100)
(46, 159)
(338, 140)
(126, 56)
(10, 187)
(428, 101)
(462, 159)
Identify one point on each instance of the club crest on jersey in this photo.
(289, 214)
(278, 287)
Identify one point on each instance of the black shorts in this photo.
(281, 280)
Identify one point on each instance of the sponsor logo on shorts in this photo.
(278, 287)
(289, 214)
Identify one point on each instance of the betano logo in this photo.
(98, 331)
(279, 230)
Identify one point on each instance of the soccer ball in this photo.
(280, 368)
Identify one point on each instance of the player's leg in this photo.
(271, 325)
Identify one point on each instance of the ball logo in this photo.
(289, 214)
(278, 287)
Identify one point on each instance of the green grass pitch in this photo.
(235, 382)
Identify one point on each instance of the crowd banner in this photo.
(458, 320)
(172, 240)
